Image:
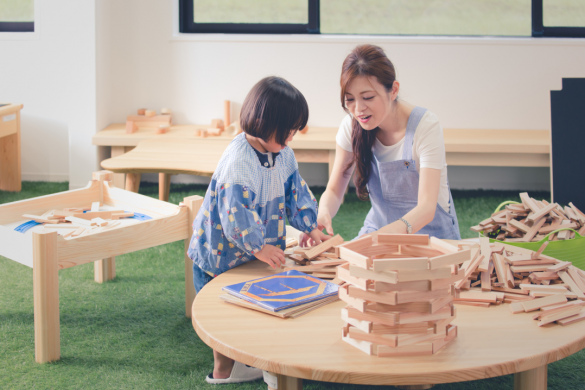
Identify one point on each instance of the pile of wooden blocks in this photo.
(399, 293)
(80, 220)
(532, 220)
(148, 119)
(320, 261)
(528, 280)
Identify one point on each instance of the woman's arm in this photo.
(424, 212)
(335, 191)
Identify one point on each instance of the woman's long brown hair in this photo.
(364, 60)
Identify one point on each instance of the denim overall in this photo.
(393, 188)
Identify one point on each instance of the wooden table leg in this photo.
(104, 270)
(535, 379)
(282, 382)
(132, 182)
(10, 171)
(164, 186)
(46, 297)
(119, 178)
(193, 203)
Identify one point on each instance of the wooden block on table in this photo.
(162, 129)
(359, 272)
(149, 113)
(516, 307)
(131, 127)
(536, 304)
(95, 206)
(364, 346)
(450, 259)
(322, 247)
(98, 222)
(344, 274)
(354, 302)
(165, 111)
(398, 264)
(572, 319)
(79, 221)
(359, 244)
(568, 312)
(141, 111)
(403, 239)
(218, 124)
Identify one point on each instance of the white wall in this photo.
(140, 62)
(52, 72)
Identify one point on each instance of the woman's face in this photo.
(368, 101)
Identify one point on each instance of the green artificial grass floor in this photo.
(132, 333)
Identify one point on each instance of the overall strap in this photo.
(413, 121)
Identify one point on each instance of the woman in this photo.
(397, 151)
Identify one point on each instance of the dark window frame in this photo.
(188, 25)
(539, 30)
(17, 26)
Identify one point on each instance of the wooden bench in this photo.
(180, 151)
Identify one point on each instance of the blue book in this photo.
(283, 290)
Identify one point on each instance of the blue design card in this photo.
(283, 290)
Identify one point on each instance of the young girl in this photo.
(256, 182)
(398, 150)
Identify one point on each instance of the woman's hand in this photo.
(271, 255)
(324, 222)
(314, 238)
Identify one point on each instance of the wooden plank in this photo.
(403, 239)
(322, 247)
(536, 304)
(400, 264)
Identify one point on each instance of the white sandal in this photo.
(240, 373)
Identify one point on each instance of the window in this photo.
(386, 17)
(558, 18)
(249, 16)
(17, 16)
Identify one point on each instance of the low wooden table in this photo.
(10, 160)
(490, 342)
(315, 146)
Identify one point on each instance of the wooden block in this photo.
(226, 113)
(343, 274)
(79, 221)
(354, 258)
(477, 296)
(213, 131)
(131, 127)
(322, 247)
(99, 222)
(388, 298)
(357, 334)
(161, 129)
(141, 111)
(365, 326)
(517, 307)
(361, 345)
(412, 275)
(536, 304)
(356, 303)
(398, 264)
(77, 232)
(409, 350)
(359, 244)
(95, 206)
(165, 111)
(386, 277)
(568, 312)
(403, 239)
(572, 319)
(419, 251)
(449, 259)
(571, 283)
(218, 124)
(149, 113)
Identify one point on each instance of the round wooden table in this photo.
(490, 342)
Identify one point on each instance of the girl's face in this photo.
(368, 101)
(272, 146)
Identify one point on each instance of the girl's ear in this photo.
(394, 91)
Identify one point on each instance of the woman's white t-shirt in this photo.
(428, 149)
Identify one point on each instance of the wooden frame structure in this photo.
(47, 252)
(10, 160)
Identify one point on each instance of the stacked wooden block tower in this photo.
(399, 293)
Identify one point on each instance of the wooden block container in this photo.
(399, 293)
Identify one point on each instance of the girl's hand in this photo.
(304, 240)
(271, 255)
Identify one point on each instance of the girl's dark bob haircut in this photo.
(273, 108)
